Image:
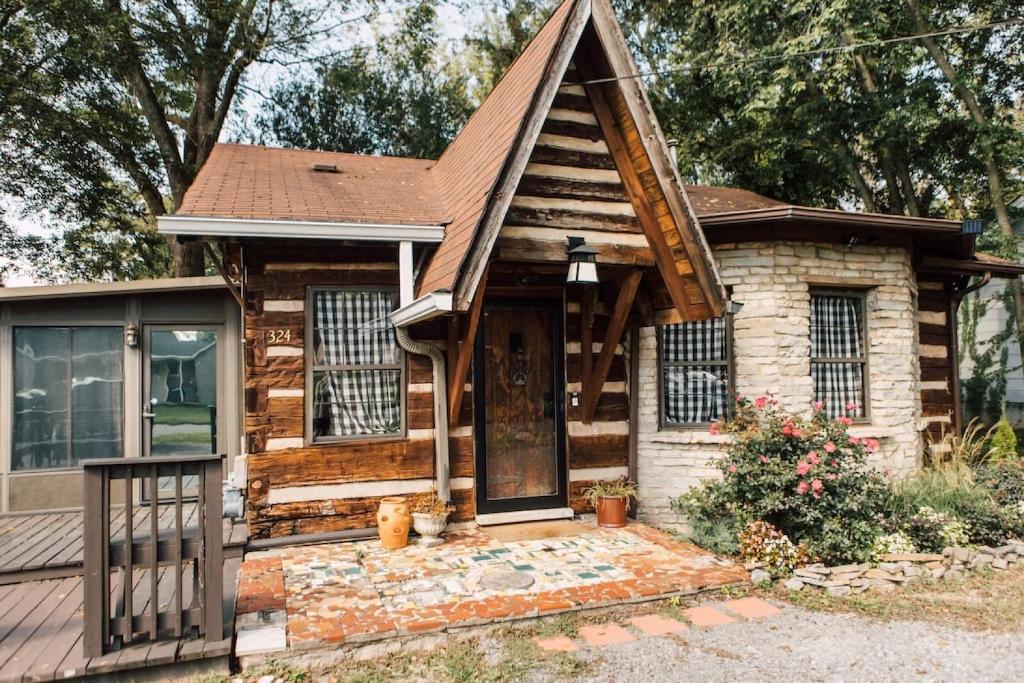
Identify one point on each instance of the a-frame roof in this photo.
(480, 171)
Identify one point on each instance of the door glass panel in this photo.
(521, 453)
(181, 410)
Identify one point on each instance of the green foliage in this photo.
(897, 542)
(807, 478)
(1003, 444)
(615, 488)
(402, 96)
(876, 127)
(762, 542)
(1005, 481)
(933, 531)
(109, 110)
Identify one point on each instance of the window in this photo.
(68, 395)
(355, 366)
(696, 375)
(838, 353)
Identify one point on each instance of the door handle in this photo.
(148, 416)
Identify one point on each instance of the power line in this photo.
(807, 53)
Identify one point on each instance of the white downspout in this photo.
(442, 469)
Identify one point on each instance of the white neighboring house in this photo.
(992, 323)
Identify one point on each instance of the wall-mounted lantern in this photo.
(131, 335)
(582, 263)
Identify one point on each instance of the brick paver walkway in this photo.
(328, 594)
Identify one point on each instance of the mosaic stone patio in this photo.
(324, 595)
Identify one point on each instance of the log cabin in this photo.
(544, 306)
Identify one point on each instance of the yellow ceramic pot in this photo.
(393, 521)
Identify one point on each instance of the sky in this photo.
(454, 18)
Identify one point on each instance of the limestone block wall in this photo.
(772, 356)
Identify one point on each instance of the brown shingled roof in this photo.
(710, 200)
(470, 168)
(255, 182)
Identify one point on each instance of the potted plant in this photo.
(611, 500)
(430, 517)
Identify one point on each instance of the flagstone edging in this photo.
(894, 570)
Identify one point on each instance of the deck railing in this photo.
(137, 556)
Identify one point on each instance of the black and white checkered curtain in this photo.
(694, 392)
(836, 332)
(354, 328)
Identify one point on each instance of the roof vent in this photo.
(325, 168)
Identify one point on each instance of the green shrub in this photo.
(959, 497)
(933, 531)
(1004, 480)
(761, 542)
(897, 542)
(1003, 443)
(807, 478)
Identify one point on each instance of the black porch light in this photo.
(582, 263)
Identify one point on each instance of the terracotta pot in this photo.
(393, 522)
(611, 511)
(429, 527)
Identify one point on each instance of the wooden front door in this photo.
(518, 390)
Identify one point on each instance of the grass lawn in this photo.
(986, 600)
(171, 414)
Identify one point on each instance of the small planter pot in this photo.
(393, 522)
(429, 527)
(611, 511)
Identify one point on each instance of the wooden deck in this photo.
(48, 545)
(41, 630)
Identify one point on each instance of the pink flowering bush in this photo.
(808, 477)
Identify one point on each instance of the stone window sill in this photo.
(688, 436)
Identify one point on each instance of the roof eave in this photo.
(201, 226)
(807, 214)
(121, 287)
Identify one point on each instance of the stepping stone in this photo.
(605, 634)
(751, 608)
(707, 616)
(506, 580)
(657, 625)
(556, 644)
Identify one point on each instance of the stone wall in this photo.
(772, 356)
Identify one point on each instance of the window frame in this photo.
(730, 388)
(864, 361)
(14, 327)
(311, 368)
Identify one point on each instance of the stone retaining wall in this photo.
(897, 569)
(772, 354)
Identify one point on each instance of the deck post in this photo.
(213, 557)
(96, 587)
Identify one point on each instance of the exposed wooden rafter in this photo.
(663, 256)
(594, 384)
(460, 354)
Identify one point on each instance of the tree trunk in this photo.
(995, 182)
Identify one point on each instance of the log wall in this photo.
(936, 356)
(295, 488)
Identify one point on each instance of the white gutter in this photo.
(289, 229)
(426, 307)
(406, 279)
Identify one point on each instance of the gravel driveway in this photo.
(801, 645)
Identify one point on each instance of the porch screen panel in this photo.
(357, 365)
(694, 372)
(838, 353)
(68, 396)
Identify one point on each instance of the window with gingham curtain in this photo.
(694, 372)
(838, 353)
(357, 365)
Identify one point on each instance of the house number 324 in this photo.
(279, 336)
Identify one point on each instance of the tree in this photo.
(499, 37)
(398, 97)
(99, 96)
(878, 127)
